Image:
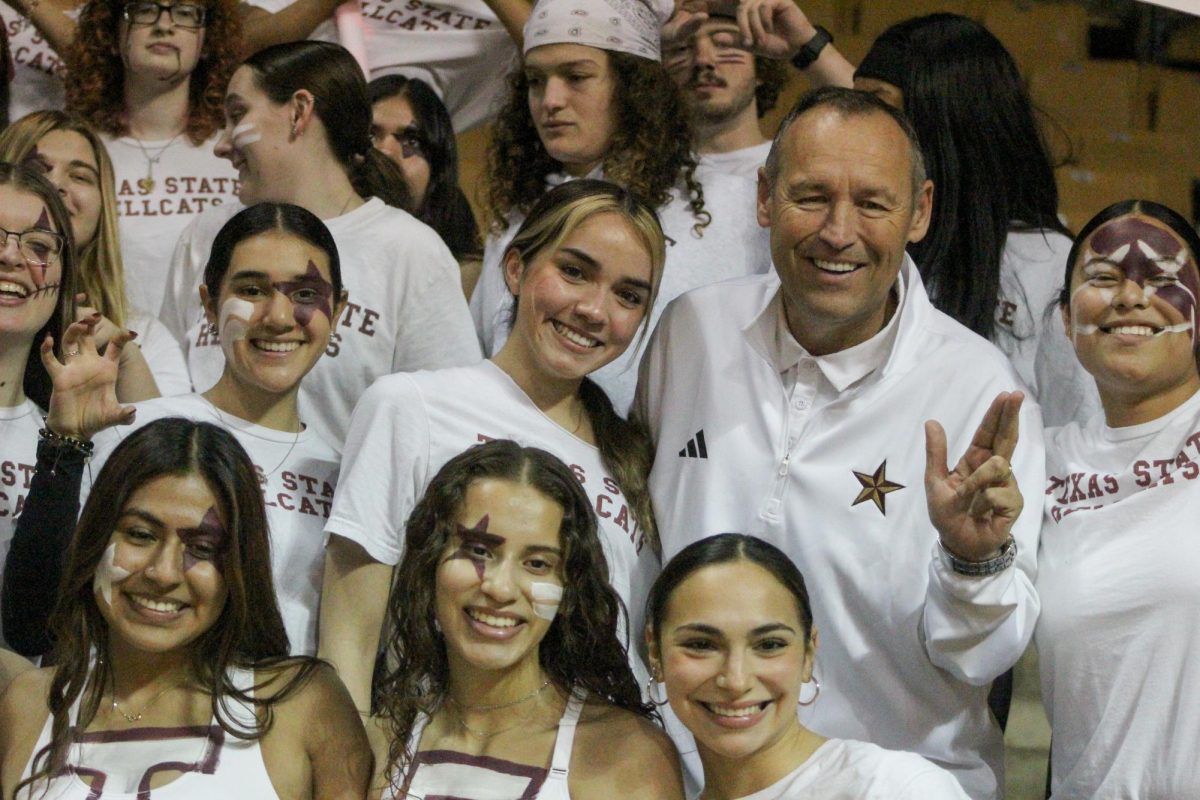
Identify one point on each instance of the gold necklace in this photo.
(146, 184)
(136, 717)
(490, 734)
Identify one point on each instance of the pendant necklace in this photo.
(137, 716)
(146, 185)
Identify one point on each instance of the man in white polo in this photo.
(795, 406)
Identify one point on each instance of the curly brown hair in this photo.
(581, 648)
(650, 150)
(95, 78)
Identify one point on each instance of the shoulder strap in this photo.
(561, 760)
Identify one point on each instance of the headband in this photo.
(626, 26)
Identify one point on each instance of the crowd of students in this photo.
(310, 487)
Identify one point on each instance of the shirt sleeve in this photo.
(384, 468)
(932, 783)
(39, 546)
(434, 328)
(977, 627)
(183, 279)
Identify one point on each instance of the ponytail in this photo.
(626, 453)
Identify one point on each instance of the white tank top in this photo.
(214, 763)
(448, 774)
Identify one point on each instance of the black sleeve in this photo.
(39, 548)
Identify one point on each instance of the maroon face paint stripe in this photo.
(476, 535)
(210, 534)
(43, 221)
(314, 282)
(1139, 268)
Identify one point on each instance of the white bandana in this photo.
(626, 26)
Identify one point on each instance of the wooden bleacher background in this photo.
(1118, 128)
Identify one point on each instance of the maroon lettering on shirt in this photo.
(414, 15)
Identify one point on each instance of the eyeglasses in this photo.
(36, 245)
(184, 15)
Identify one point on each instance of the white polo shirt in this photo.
(831, 470)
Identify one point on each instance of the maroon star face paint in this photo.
(1154, 259)
(37, 269)
(308, 293)
(205, 542)
(472, 541)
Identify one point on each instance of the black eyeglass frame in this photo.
(128, 14)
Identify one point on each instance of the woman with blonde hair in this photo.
(592, 99)
(584, 269)
(69, 152)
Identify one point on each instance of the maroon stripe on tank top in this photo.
(536, 775)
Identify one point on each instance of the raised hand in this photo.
(975, 505)
(771, 28)
(84, 397)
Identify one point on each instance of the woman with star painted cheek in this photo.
(69, 152)
(38, 281)
(509, 679)
(583, 271)
(272, 291)
(172, 673)
(149, 78)
(1118, 559)
(736, 662)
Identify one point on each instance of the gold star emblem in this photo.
(876, 487)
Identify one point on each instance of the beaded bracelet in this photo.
(979, 569)
(58, 440)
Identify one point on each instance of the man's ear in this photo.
(763, 206)
(922, 213)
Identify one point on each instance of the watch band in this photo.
(979, 569)
(811, 50)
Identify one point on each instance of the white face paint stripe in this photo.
(546, 598)
(108, 573)
(244, 134)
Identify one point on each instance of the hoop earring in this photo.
(654, 701)
(816, 683)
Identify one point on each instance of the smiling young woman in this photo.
(509, 672)
(272, 290)
(37, 286)
(584, 267)
(69, 152)
(730, 631)
(172, 670)
(1118, 559)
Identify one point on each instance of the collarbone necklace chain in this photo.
(137, 715)
(146, 184)
(458, 709)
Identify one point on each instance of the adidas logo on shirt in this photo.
(695, 447)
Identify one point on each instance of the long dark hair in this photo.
(249, 632)
(581, 648)
(624, 445)
(650, 152)
(1167, 216)
(985, 153)
(36, 381)
(261, 218)
(726, 548)
(444, 207)
(339, 91)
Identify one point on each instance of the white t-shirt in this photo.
(298, 473)
(744, 162)
(1118, 640)
(409, 425)
(843, 769)
(188, 180)
(162, 353)
(458, 47)
(1029, 326)
(406, 309)
(731, 246)
(36, 84)
(19, 427)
